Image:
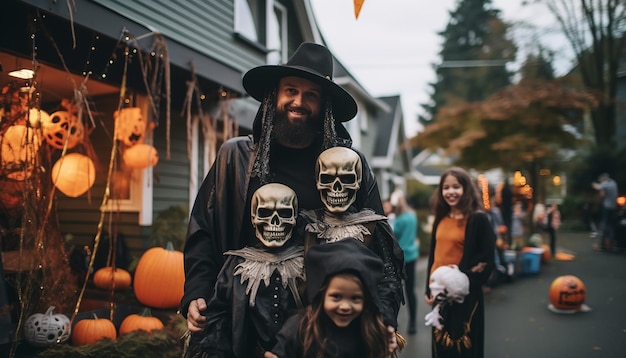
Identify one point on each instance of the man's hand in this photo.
(195, 320)
(269, 355)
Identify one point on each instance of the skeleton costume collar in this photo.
(259, 264)
(332, 227)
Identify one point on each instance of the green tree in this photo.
(596, 32)
(519, 127)
(476, 47)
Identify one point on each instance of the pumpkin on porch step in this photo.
(88, 331)
(143, 321)
(47, 329)
(107, 279)
(160, 277)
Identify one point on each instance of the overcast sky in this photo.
(391, 47)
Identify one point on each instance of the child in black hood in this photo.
(343, 318)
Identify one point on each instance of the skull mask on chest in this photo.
(338, 176)
(274, 210)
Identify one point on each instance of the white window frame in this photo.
(141, 183)
(275, 36)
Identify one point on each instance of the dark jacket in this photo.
(235, 327)
(466, 319)
(216, 221)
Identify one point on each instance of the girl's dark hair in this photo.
(314, 336)
(468, 204)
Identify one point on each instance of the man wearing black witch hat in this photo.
(300, 115)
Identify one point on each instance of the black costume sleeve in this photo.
(217, 335)
(480, 241)
(287, 340)
(215, 220)
(386, 246)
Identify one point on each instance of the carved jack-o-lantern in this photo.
(567, 293)
(274, 209)
(338, 174)
(130, 126)
(61, 126)
(47, 329)
(19, 146)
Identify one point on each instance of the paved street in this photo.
(519, 324)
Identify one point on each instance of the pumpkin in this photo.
(106, 278)
(144, 321)
(47, 329)
(88, 331)
(567, 293)
(74, 174)
(160, 278)
(140, 156)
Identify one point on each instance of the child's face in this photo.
(451, 190)
(343, 301)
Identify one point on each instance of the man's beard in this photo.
(296, 135)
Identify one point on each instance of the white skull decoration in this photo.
(338, 174)
(61, 125)
(450, 281)
(47, 329)
(274, 209)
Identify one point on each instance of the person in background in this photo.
(552, 222)
(343, 318)
(501, 271)
(300, 115)
(405, 229)
(517, 226)
(463, 236)
(507, 209)
(388, 210)
(609, 192)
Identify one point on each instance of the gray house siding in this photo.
(204, 26)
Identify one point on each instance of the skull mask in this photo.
(274, 209)
(338, 176)
(451, 282)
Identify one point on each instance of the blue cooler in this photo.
(531, 261)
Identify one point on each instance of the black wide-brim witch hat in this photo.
(311, 61)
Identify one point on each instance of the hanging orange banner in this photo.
(358, 4)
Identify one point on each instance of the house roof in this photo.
(344, 78)
(389, 134)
